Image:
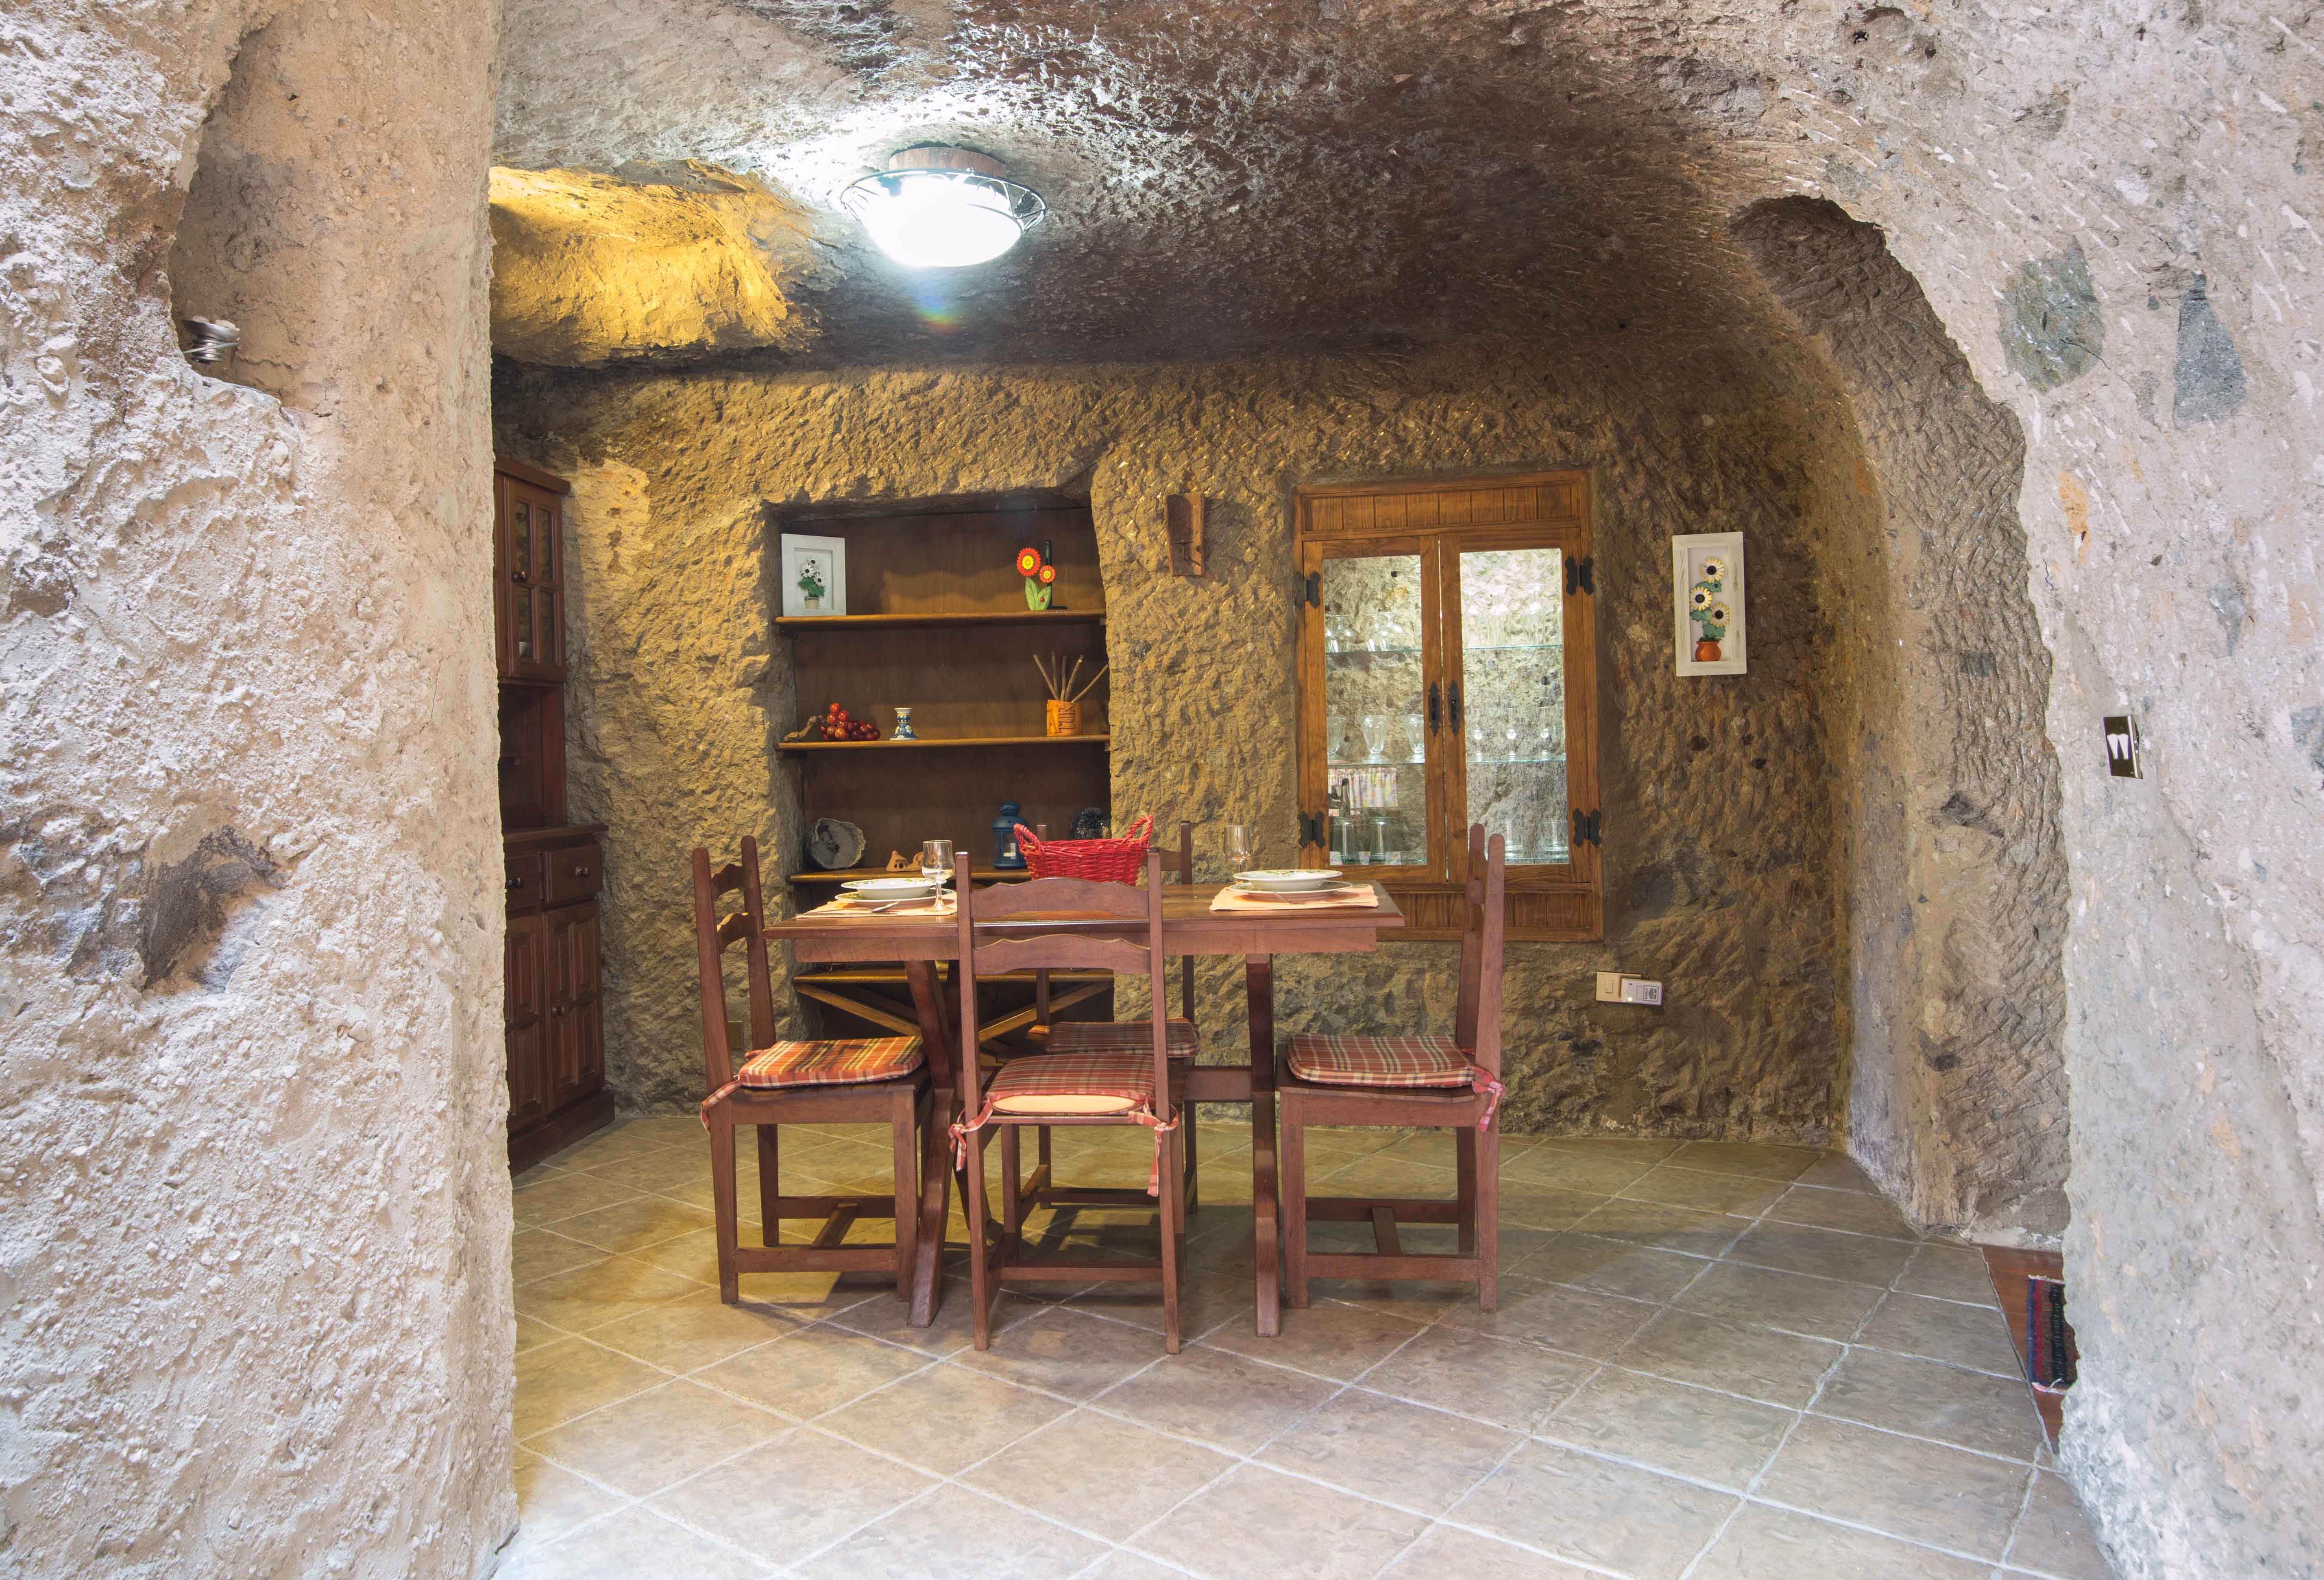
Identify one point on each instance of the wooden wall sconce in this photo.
(1183, 515)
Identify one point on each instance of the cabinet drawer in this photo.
(573, 874)
(526, 887)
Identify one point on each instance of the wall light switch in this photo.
(1637, 989)
(1610, 987)
(2123, 759)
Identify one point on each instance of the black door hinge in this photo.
(1578, 577)
(1585, 827)
(1311, 829)
(1310, 590)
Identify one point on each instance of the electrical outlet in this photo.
(1637, 989)
(1610, 987)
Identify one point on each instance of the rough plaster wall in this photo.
(1960, 910)
(256, 1225)
(1717, 792)
(587, 268)
(2171, 500)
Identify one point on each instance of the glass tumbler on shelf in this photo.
(1335, 736)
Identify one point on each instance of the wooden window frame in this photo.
(1439, 520)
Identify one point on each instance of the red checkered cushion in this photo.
(1338, 1059)
(829, 1064)
(1101, 1081)
(1123, 1036)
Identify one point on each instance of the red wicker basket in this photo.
(1101, 861)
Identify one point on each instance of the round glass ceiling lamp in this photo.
(936, 207)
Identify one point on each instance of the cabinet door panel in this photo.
(525, 1014)
(1381, 760)
(575, 1047)
(1508, 695)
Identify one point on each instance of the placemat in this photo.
(1359, 898)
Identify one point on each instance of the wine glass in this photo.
(1375, 729)
(1239, 846)
(935, 860)
(1416, 738)
(1335, 735)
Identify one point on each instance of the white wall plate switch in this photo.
(1637, 990)
(1610, 987)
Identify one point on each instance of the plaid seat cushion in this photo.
(829, 1063)
(1123, 1036)
(1338, 1059)
(1099, 1081)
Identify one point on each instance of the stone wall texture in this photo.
(255, 1234)
(1723, 878)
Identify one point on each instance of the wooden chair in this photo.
(885, 1079)
(1095, 1087)
(1041, 1189)
(1430, 1081)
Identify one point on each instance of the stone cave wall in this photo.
(1958, 911)
(1719, 793)
(256, 1221)
(2112, 210)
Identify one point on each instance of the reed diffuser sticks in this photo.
(1061, 680)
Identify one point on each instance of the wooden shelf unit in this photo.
(930, 745)
(1052, 617)
(937, 621)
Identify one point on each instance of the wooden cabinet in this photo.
(1447, 675)
(554, 1018)
(528, 572)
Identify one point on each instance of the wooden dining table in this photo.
(834, 934)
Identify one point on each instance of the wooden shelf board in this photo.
(867, 975)
(945, 742)
(851, 875)
(890, 622)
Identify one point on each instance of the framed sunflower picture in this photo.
(1707, 612)
(815, 575)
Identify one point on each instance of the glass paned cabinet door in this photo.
(1377, 615)
(1509, 697)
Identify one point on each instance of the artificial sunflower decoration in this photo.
(1699, 599)
(1040, 575)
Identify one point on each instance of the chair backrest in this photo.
(712, 933)
(1180, 864)
(1477, 1023)
(1139, 909)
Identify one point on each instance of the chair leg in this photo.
(1464, 1171)
(1291, 1163)
(904, 1126)
(1188, 1129)
(1489, 1217)
(980, 1252)
(722, 1194)
(1172, 1194)
(770, 1188)
(1012, 1186)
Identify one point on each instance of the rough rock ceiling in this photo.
(1309, 174)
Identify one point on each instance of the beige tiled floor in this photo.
(1714, 1362)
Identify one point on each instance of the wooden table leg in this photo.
(1258, 980)
(935, 1152)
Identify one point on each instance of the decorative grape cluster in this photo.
(839, 725)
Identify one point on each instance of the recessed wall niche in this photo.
(237, 255)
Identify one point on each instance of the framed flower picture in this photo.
(1707, 614)
(815, 575)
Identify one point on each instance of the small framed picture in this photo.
(1707, 614)
(815, 575)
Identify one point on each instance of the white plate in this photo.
(1288, 880)
(890, 888)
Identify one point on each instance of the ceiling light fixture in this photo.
(936, 207)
